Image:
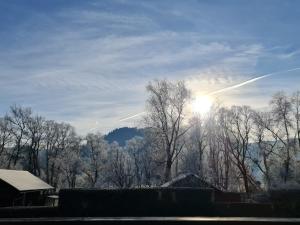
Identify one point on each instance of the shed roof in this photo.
(23, 180)
(189, 180)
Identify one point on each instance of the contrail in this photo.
(131, 117)
(250, 81)
(227, 88)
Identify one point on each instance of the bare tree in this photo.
(282, 109)
(165, 116)
(296, 112)
(143, 156)
(196, 145)
(153, 158)
(50, 145)
(120, 171)
(135, 148)
(97, 149)
(65, 141)
(5, 139)
(35, 134)
(18, 118)
(267, 144)
(222, 169)
(71, 168)
(237, 127)
(70, 161)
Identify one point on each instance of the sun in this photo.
(201, 104)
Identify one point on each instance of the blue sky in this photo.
(87, 62)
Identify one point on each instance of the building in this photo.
(21, 188)
(191, 180)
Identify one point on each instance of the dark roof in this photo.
(189, 180)
(23, 180)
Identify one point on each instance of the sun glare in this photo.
(201, 104)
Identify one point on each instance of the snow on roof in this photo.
(23, 180)
(178, 178)
(53, 196)
(188, 180)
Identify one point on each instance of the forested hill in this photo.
(121, 135)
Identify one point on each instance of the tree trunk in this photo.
(287, 163)
(267, 172)
(246, 183)
(168, 169)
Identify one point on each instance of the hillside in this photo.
(121, 135)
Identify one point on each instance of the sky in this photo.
(87, 62)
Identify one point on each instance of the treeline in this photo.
(236, 148)
(54, 152)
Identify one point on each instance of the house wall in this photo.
(9, 196)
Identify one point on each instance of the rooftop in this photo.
(23, 180)
(189, 180)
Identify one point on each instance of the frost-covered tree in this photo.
(165, 116)
(66, 142)
(195, 144)
(18, 117)
(238, 125)
(35, 133)
(5, 140)
(96, 154)
(267, 142)
(296, 113)
(70, 163)
(120, 172)
(282, 110)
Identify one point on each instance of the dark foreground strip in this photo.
(150, 220)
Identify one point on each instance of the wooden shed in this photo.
(191, 180)
(21, 188)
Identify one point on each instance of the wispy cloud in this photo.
(289, 55)
(88, 63)
(251, 81)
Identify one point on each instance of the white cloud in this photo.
(90, 66)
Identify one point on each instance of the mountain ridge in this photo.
(123, 134)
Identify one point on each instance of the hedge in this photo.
(137, 202)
